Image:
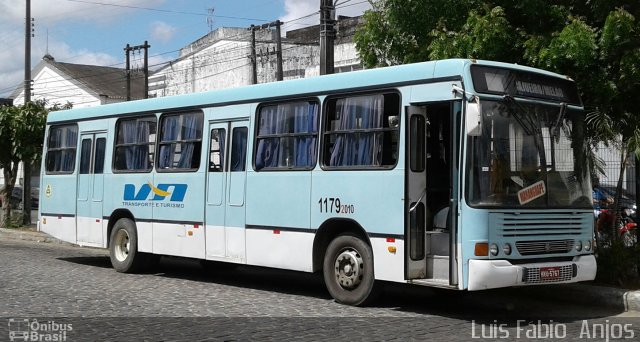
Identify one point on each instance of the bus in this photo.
(460, 174)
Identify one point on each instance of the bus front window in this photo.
(529, 156)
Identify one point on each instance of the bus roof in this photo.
(312, 86)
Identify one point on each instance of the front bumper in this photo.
(489, 274)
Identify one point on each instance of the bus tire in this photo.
(348, 270)
(123, 248)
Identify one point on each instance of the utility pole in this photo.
(277, 52)
(254, 58)
(127, 50)
(26, 165)
(279, 75)
(327, 36)
(28, 31)
(127, 72)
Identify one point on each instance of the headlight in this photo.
(578, 245)
(587, 245)
(506, 249)
(493, 249)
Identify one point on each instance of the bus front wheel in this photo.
(123, 247)
(348, 270)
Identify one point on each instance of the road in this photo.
(62, 285)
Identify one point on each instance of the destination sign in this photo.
(500, 81)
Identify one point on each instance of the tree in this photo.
(21, 140)
(9, 161)
(29, 136)
(597, 43)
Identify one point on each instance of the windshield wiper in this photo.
(555, 129)
(531, 126)
(527, 123)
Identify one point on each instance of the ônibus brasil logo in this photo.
(149, 195)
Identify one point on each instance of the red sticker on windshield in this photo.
(532, 192)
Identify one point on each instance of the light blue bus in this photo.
(460, 174)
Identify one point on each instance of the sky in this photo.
(95, 32)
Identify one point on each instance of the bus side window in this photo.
(216, 155)
(61, 149)
(180, 141)
(362, 131)
(239, 149)
(135, 141)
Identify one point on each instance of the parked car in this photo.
(16, 197)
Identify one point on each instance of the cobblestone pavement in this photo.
(63, 285)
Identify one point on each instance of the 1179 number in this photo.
(333, 205)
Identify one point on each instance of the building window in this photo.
(135, 144)
(362, 131)
(61, 149)
(180, 142)
(287, 135)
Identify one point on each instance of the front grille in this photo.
(533, 224)
(531, 275)
(544, 247)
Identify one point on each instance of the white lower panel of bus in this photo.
(489, 274)
(90, 231)
(225, 244)
(281, 249)
(388, 265)
(145, 236)
(60, 227)
(185, 240)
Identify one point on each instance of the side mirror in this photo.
(473, 115)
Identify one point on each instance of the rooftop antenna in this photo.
(210, 18)
(47, 52)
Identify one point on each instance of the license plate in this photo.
(550, 273)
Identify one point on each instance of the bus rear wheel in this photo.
(123, 248)
(348, 270)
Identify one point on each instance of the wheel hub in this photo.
(122, 245)
(349, 268)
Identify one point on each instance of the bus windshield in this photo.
(528, 156)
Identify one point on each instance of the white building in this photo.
(81, 85)
(222, 59)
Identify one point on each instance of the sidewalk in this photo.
(584, 294)
(29, 234)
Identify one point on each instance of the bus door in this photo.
(225, 202)
(432, 173)
(415, 239)
(90, 189)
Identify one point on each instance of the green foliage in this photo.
(29, 131)
(21, 140)
(617, 264)
(7, 118)
(488, 36)
(596, 43)
(396, 31)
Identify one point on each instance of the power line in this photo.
(173, 51)
(167, 11)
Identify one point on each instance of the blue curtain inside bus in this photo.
(239, 149)
(186, 128)
(62, 145)
(191, 130)
(136, 132)
(287, 135)
(363, 147)
(169, 133)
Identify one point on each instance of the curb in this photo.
(615, 298)
(29, 235)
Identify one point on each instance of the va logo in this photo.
(175, 192)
